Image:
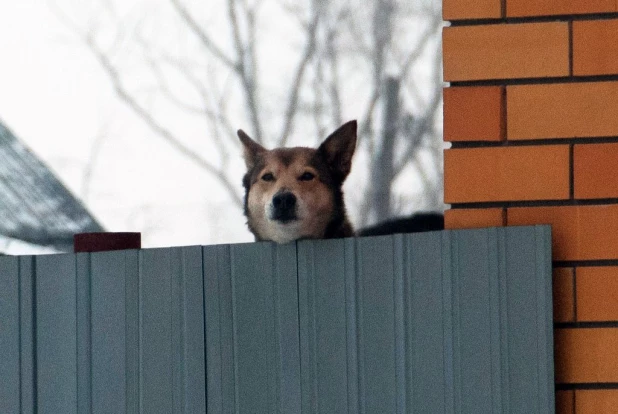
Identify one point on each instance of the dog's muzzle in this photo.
(283, 207)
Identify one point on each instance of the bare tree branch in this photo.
(243, 68)
(335, 95)
(420, 129)
(201, 34)
(415, 53)
(208, 110)
(308, 53)
(150, 120)
(318, 100)
(93, 158)
(165, 89)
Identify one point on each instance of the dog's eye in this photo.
(307, 176)
(268, 177)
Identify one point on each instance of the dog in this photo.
(416, 223)
(296, 193)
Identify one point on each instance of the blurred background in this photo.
(121, 115)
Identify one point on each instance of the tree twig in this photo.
(165, 133)
(208, 43)
(292, 101)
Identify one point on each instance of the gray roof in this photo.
(35, 206)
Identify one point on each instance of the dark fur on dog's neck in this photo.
(339, 226)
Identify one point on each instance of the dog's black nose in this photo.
(284, 206)
(284, 201)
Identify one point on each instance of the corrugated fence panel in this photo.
(425, 266)
(443, 322)
(323, 334)
(112, 329)
(475, 310)
(254, 367)
(9, 335)
(17, 335)
(27, 334)
(155, 343)
(435, 322)
(171, 326)
(375, 312)
(191, 332)
(56, 347)
(528, 329)
(219, 330)
(83, 332)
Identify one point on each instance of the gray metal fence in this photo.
(445, 322)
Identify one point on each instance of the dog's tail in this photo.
(416, 223)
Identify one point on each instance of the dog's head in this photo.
(295, 193)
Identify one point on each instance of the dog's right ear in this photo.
(338, 149)
(251, 149)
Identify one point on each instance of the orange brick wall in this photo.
(532, 116)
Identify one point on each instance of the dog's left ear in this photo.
(338, 149)
(251, 149)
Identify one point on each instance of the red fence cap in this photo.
(101, 242)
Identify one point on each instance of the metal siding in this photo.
(220, 395)
(400, 301)
(322, 307)
(9, 335)
(427, 382)
(263, 280)
(190, 330)
(56, 348)
(473, 319)
(27, 338)
(529, 320)
(132, 330)
(108, 337)
(545, 320)
(254, 366)
(155, 342)
(171, 377)
(376, 323)
(253, 321)
(355, 385)
(287, 317)
(83, 333)
(424, 322)
(452, 321)
(111, 328)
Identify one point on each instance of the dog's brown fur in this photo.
(295, 193)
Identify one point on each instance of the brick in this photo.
(471, 9)
(506, 173)
(505, 51)
(578, 232)
(473, 218)
(595, 47)
(586, 355)
(474, 114)
(594, 167)
(563, 294)
(562, 110)
(521, 8)
(565, 402)
(597, 293)
(596, 401)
